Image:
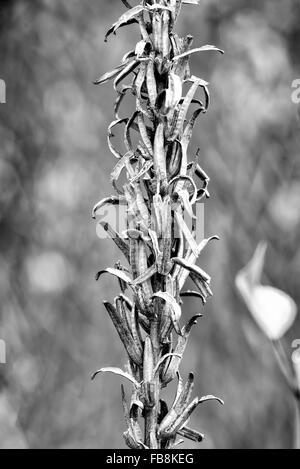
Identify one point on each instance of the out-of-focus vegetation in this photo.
(54, 164)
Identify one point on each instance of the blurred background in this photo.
(55, 165)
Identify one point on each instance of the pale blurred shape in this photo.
(26, 371)
(64, 183)
(75, 120)
(48, 272)
(9, 184)
(11, 436)
(284, 207)
(273, 310)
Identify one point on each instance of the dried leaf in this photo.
(165, 357)
(191, 2)
(208, 47)
(192, 268)
(190, 434)
(116, 153)
(133, 349)
(185, 106)
(129, 68)
(109, 75)
(210, 398)
(112, 200)
(182, 341)
(175, 309)
(117, 273)
(160, 156)
(125, 19)
(129, 6)
(151, 81)
(117, 371)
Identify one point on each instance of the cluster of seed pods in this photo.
(160, 248)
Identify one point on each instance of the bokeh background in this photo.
(55, 164)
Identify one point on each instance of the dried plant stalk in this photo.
(160, 248)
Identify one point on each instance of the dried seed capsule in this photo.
(151, 82)
(157, 31)
(173, 92)
(125, 72)
(184, 108)
(165, 46)
(172, 369)
(148, 375)
(160, 157)
(166, 241)
(144, 134)
(131, 347)
(191, 434)
(142, 268)
(127, 137)
(174, 161)
(141, 206)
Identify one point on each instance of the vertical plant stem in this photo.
(297, 423)
(152, 413)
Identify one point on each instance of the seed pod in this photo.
(184, 397)
(140, 79)
(122, 245)
(173, 92)
(127, 18)
(187, 234)
(174, 309)
(116, 172)
(151, 82)
(125, 72)
(182, 340)
(144, 134)
(174, 164)
(123, 285)
(148, 367)
(184, 109)
(157, 31)
(133, 249)
(144, 170)
(160, 157)
(132, 349)
(141, 206)
(181, 67)
(190, 434)
(166, 324)
(165, 46)
(109, 75)
(133, 435)
(156, 218)
(123, 312)
(166, 241)
(142, 268)
(127, 137)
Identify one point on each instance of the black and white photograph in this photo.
(149, 227)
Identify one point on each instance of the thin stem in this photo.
(297, 423)
(284, 364)
(151, 414)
